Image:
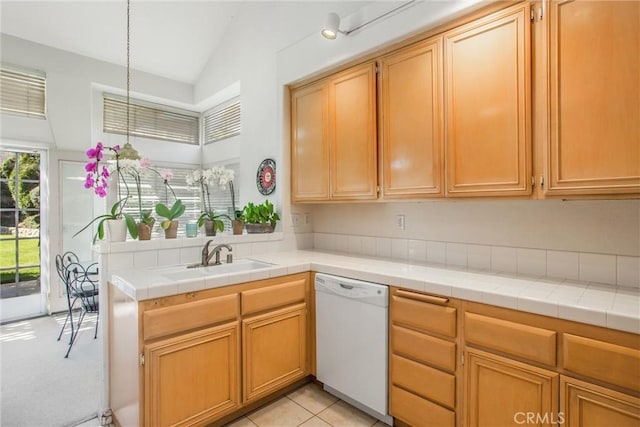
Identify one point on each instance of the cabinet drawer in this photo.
(407, 309)
(513, 338)
(182, 317)
(424, 381)
(423, 348)
(416, 411)
(612, 363)
(270, 297)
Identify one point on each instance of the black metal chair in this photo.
(62, 262)
(82, 293)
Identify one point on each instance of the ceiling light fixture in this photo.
(331, 26)
(128, 152)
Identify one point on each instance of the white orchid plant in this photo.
(218, 177)
(136, 169)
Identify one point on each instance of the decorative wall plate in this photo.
(266, 177)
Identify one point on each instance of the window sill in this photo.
(106, 247)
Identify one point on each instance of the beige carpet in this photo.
(38, 386)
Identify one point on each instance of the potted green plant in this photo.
(219, 177)
(116, 222)
(145, 224)
(261, 218)
(170, 224)
(237, 223)
(211, 222)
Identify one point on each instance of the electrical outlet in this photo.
(400, 222)
(307, 218)
(295, 220)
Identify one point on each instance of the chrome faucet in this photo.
(206, 255)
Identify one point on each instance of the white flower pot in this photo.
(116, 230)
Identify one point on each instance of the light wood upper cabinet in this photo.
(594, 105)
(309, 143)
(352, 127)
(190, 378)
(487, 96)
(334, 137)
(412, 121)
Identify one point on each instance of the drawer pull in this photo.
(422, 297)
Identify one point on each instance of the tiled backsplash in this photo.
(587, 267)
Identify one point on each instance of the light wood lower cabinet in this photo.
(587, 405)
(422, 359)
(193, 377)
(502, 392)
(194, 358)
(274, 350)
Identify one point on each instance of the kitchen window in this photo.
(154, 191)
(150, 120)
(222, 121)
(22, 93)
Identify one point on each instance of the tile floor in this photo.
(308, 406)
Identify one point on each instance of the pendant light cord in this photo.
(128, 65)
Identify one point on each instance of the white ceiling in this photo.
(173, 39)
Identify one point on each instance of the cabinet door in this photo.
(192, 378)
(309, 143)
(498, 391)
(352, 133)
(274, 350)
(594, 61)
(587, 405)
(488, 111)
(412, 113)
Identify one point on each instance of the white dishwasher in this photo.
(351, 342)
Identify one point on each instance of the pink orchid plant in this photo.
(97, 179)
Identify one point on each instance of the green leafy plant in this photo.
(146, 218)
(175, 212)
(261, 214)
(212, 216)
(115, 213)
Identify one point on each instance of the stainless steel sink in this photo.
(184, 272)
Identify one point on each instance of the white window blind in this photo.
(154, 191)
(22, 93)
(149, 120)
(222, 122)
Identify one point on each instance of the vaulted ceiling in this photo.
(172, 39)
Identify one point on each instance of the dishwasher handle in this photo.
(343, 286)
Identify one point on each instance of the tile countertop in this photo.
(591, 303)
